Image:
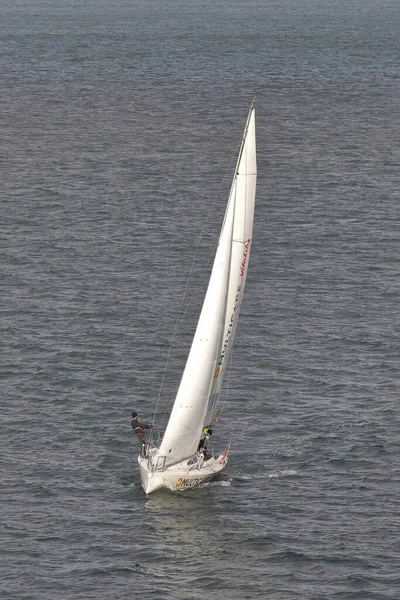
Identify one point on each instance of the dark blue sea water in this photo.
(119, 124)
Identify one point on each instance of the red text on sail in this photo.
(245, 253)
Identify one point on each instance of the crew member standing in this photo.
(202, 448)
(138, 428)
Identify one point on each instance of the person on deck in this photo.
(202, 448)
(138, 428)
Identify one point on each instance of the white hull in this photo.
(182, 475)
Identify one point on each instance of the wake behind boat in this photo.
(181, 460)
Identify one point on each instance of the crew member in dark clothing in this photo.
(138, 428)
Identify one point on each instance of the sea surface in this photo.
(119, 125)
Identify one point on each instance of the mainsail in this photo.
(243, 194)
(200, 386)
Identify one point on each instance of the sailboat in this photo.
(180, 460)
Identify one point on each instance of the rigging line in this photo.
(194, 290)
(204, 232)
(163, 418)
(174, 338)
(212, 253)
(210, 233)
(178, 342)
(179, 318)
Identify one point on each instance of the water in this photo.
(119, 122)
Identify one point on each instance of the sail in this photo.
(243, 195)
(183, 431)
(201, 382)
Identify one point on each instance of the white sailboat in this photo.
(177, 463)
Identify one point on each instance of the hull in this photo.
(184, 475)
